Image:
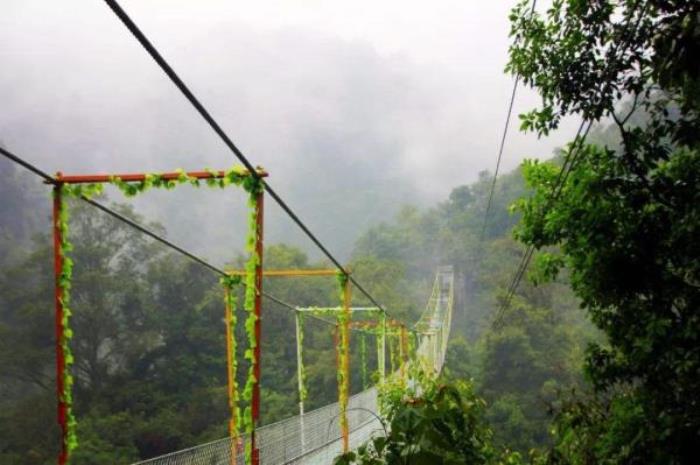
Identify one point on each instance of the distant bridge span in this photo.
(316, 438)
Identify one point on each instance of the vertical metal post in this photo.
(255, 403)
(431, 352)
(345, 341)
(231, 377)
(404, 353)
(436, 355)
(338, 348)
(59, 329)
(381, 359)
(300, 377)
(363, 360)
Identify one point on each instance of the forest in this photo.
(589, 355)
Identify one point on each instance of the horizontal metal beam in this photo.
(140, 177)
(289, 273)
(338, 309)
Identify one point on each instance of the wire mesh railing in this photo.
(434, 325)
(315, 437)
(310, 438)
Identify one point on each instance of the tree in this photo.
(441, 424)
(627, 215)
(524, 363)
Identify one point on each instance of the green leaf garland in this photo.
(251, 319)
(343, 351)
(237, 176)
(363, 360)
(230, 283)
(64, 284)
(303, 392)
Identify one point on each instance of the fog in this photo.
(355, 108)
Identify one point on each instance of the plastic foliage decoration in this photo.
(380, 331)
(412, 346)
(343, 350)
(393, 350)
(237, 176)
(64, 284)
(317, 312)
(253, 189)
(229, 283)
(303, 392)
(363, 360)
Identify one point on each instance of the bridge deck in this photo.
(315, 438)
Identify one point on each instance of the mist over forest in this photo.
(558, 251)
(80, 97)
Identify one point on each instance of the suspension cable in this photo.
(49, 179)
(180, 84)
(500, 148)
(153, 235)
(569, 163)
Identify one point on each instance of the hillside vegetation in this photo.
(593, 357)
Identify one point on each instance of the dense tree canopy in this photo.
(626, 220)
(614, 217)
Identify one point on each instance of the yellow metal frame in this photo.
(289, 273)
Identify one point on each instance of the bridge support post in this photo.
(345, 385)
(300, 376)
(231, 376)
(59, 330)
(381, 350)
(255, 401)
(403, 351)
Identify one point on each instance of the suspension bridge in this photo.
(311, 437)
(316, 437)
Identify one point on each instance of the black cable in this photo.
(563, 175)
(175, 247)
(153, 235)
(500, 148)
(11, 156)
(568, 165)
(498, 160)
(148, 232)
(179, 83)
(184, 252)
(133, 224)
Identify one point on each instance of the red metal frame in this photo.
(258, 332)
(58, 301)
(230, 377)
(138, 177)
(346, 362)
(58, 271)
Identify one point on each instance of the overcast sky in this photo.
(377, 91)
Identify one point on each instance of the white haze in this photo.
(355, 107)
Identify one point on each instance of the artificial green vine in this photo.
(343, 350)
(249, 306)
(380, 332)
(363, 360)
(229, 283)
(303, 392)
(64, 284)
(393, 351)
(237, 176)
(412, 345)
